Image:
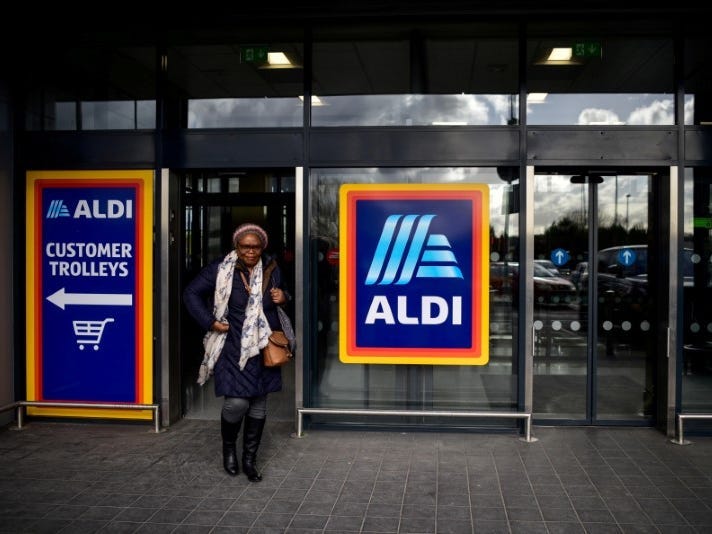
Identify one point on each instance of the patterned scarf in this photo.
(213, 341)
(255, 329)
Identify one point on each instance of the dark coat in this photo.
(255, 379)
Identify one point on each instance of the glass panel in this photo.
(560, 297)
(624, 355)
(335, 384)
(601, 109)
(698, 81)
(624, 346)
(237, 85)
(584, 80)
(415, 81)
(697, 294)
(415, 110)
(118, 115)
(112, 87)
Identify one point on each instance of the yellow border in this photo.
(146, 272)
(344, 260)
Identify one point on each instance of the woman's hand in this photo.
(217, 326)
(277, 295)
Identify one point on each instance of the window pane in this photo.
(698, 81)
(421, 77)
(236, 85)
(696, 273)
(415, 110)
(336, 384)
(601, 109)
(584, 80)
(112, 87)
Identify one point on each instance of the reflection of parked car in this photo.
(622, 277)
(558, 271)
(550, 290)
(548, 264)
(579, 276)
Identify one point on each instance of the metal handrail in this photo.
(682, 416)
(497, 415)
(20, 405)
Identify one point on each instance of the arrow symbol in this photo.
(62, 299)
(626, 256)
(559, 255)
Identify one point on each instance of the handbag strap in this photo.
(244, 282)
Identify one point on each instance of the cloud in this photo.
(658, 112)
(598, 116)
(689, 109)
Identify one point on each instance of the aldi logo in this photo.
(414, 279)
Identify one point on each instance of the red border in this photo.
(475, 349)
(137, 185)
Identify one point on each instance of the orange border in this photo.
(142, 180)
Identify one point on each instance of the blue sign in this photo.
(560, 257)
(409, 248)
(89, 284)
(414, 285)
(89, 291)
(626, 257)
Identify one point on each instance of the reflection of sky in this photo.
(630, 109)
(245, 112)
(631, 198)
(427, 110)
(414, 110)
(331, 179)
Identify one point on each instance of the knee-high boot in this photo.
(229, 433)
(251, 442)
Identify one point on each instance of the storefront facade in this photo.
(597, 162)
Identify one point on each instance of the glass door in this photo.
(214, 202)
(593, 303)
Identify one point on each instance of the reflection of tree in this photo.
(569, 232)
(325, 212)
(504, 245)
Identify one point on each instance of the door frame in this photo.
(666, 377)
(170, 258)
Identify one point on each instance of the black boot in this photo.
(229, 433)
(251, 442)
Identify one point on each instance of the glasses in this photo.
(253, 248)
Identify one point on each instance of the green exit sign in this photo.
(253, 54)
(702, 222)
(587, 49)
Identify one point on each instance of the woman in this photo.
(246, 287)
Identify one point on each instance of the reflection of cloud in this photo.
(689, 109)
(505, 106)
(658, 112)
(411, 110)
(244, 112)
(429, 109)
(598, 116)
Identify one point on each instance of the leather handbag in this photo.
(277, 352)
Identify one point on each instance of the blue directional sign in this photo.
(89, 310)
(560, 257)
(626, 257)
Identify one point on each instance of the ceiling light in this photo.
(277, 58)
(560, 54)
(315, 100)
(536, 98)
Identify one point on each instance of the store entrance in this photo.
(213, 203)
(596, 287)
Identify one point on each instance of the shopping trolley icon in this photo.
(90, 332)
